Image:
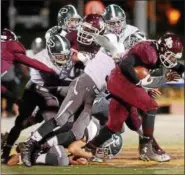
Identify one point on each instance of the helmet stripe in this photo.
(74, 9)
(61, 41)
(113, 11)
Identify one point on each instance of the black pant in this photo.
(12, 87)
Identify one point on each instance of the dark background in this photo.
(26, 7)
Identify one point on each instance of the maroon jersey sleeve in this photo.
(145, 52)
(23, 59)
(72, 37)
(16, 47)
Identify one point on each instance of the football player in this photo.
(37, 91)
(115, 19)
(54, 153)
(14, 52)
(127, 35)
(149, 54)
(68, 20)
(83, 89)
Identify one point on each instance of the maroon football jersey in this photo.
(145, 52)
(14, 51)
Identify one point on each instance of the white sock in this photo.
(36, 136)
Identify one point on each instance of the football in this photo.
(141, 72)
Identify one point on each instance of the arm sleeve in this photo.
(127, 68)
(156, 82)
(21, 58)
(179, 68)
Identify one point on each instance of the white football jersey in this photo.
(43, 57)
(130, 36)
(99, 68)
(114, 41)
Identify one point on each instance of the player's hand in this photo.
(154, 93)
(145, 81)
(172, 76)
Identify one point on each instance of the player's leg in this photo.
(100, 108)
(135, 96)
(26, 107)
(118, 113)
(74, 99)
(55, 156)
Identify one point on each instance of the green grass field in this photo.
(90, 169)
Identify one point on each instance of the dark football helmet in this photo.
(111, 147)
(170, 49)
(115, 18)
(8, 35)
(37, 45)
(92, 24)
(59, 49)
(68, 18)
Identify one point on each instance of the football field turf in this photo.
(169, 133)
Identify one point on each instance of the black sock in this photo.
(51, 159)
(148, 123)
(104, 134)
(47, 127)
(65, 138)
(12, 137)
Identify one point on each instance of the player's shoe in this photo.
(160, 151)
(147, 153)
(4, 137)
(27, 150)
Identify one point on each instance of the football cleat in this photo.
(147, 153)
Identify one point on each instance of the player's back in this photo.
(146, 51)
(99, 68)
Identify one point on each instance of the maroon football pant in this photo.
(130, 94)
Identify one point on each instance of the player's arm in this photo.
(134, 38)
(23, 59)
(53, 31)
(75, 148)
(127, 68)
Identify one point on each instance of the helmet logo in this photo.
(169, 42)
(116, 140)
(51, 43)
(64, 10)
